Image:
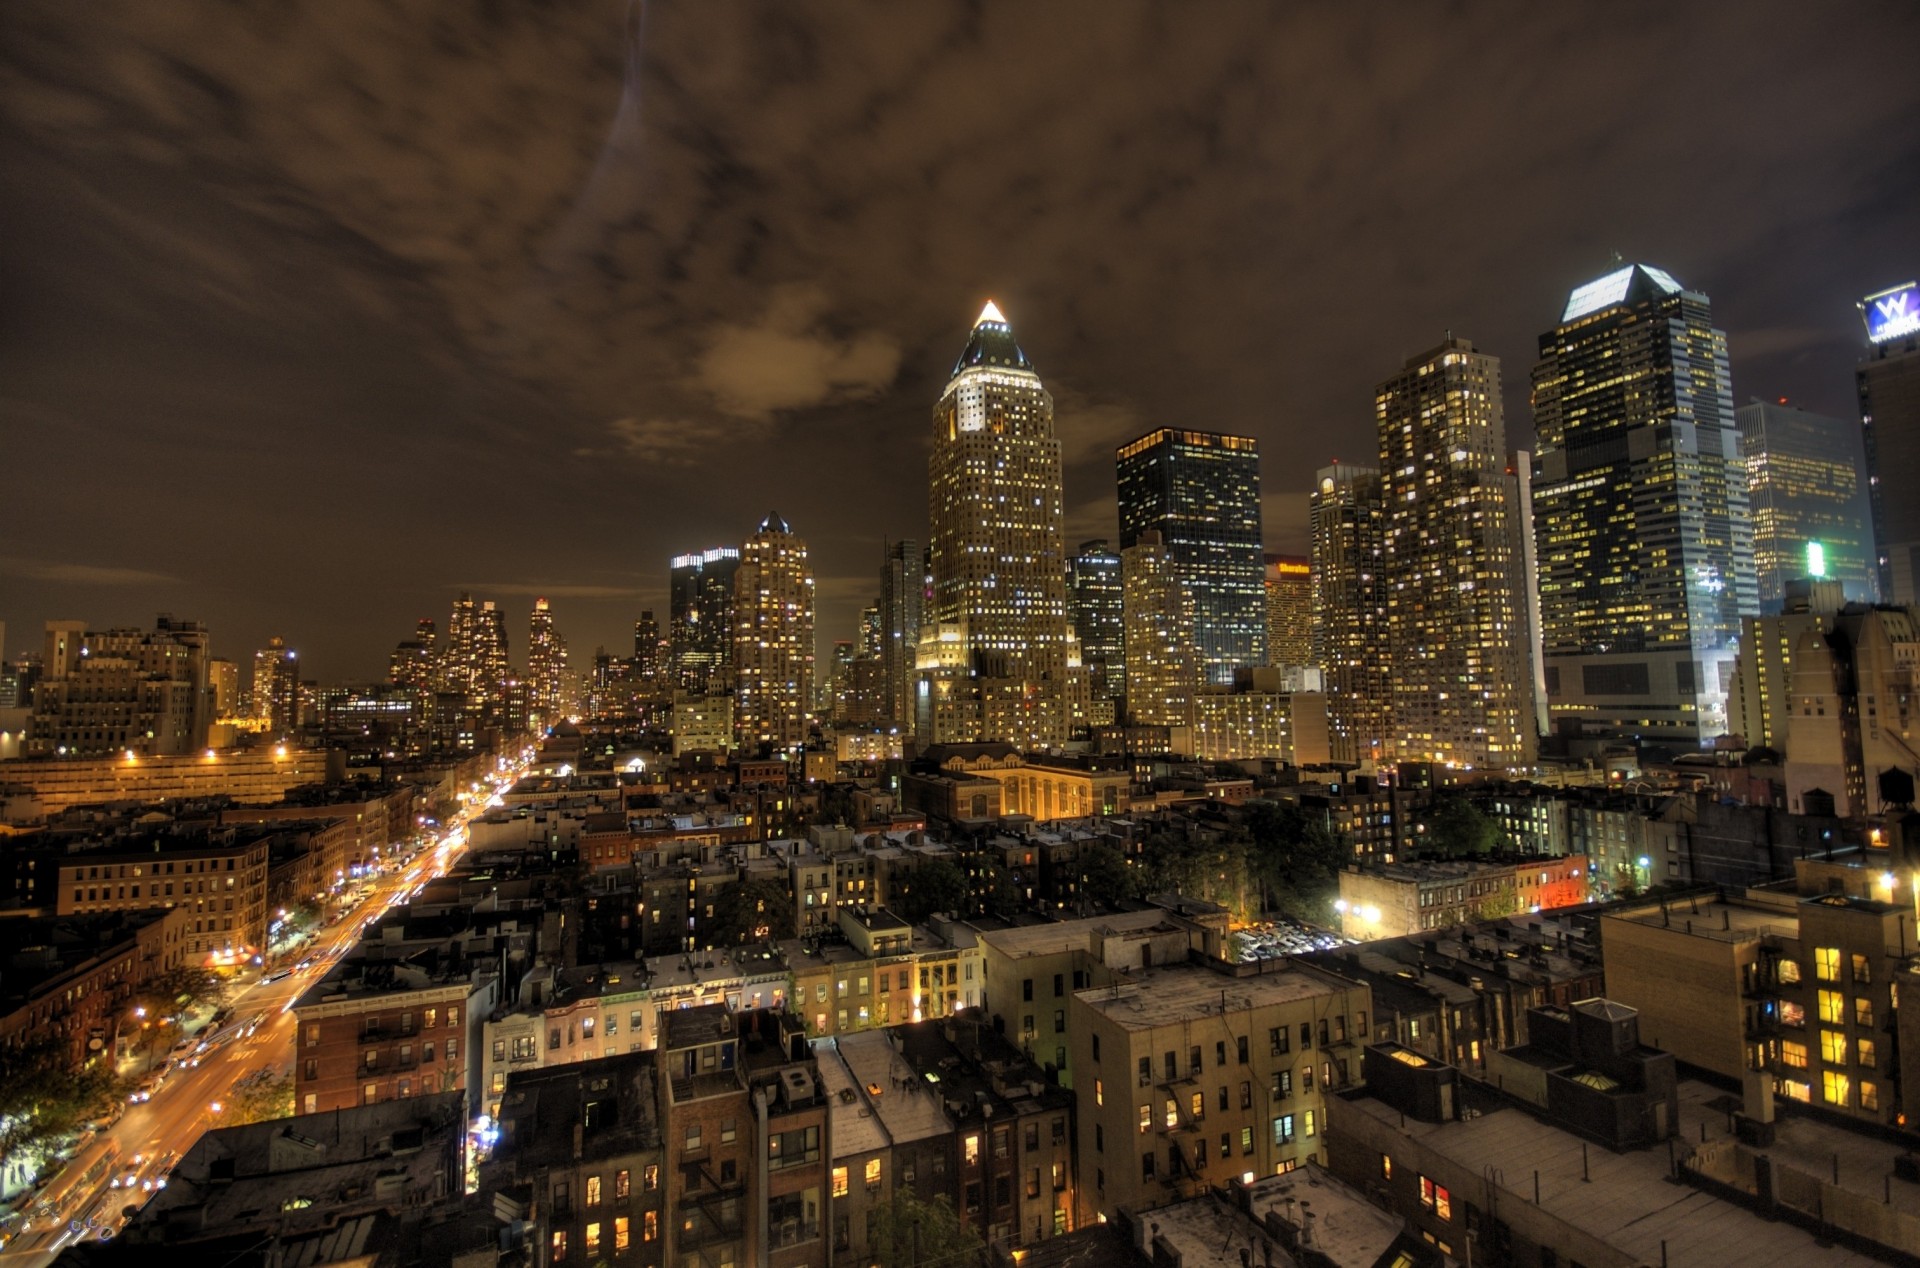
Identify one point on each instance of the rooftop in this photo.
(611, 1100)
(1065, 935)
(1628, 1202)
(1190, 992)
(905, 1108)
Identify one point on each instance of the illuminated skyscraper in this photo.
(1201, 492)
(1807, 485)
(700, 619)
(1289, 586)
(1639, 512)
(902, 610)
(459, 667)
(1163, 669)
(993, 655)
(646, 647)
(546, 663)
(1350, 610)
(773, 640)
(276, 687)
(1094, 598)
(1455, 615)
(1889, 386)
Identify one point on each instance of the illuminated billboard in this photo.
(1892, 314)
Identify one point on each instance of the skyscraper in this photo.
(1889, 385)
(546, 663)
(276, 687)
(1289, 586)
(993, 655)
(1163, 667)
(1348, 519)
(1455, 622)
(773, 648)
(1807, 486)
(902, 608)
(646, 647)
(459, 668)
(1201, 492)
(1640, 511)
(700, 618)
(493, 670)
(1094, 601)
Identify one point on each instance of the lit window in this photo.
(1436, 1198)
(620, 1238)
(593, 1239)
(1826, 963)
(1833, 1047)
(1793, 1054)
(1834, 1087)
(839, 1182)
(1833, 1007)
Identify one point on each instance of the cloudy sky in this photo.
(314, 313)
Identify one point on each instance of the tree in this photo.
(751, 911)
(1456, 828)
(176, 991)
(937, 885)
(1106, 877)
(262, 1095)
(1295, 858)
(908, 1232)
(42, 1096)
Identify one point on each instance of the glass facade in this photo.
(1641, 519)
(1454, 618)
(1348, 520)
(1808, 492)
(700, 618)
(1889, 388)
(1201, 492)
(1094, 603)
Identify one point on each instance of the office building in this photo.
(1888, 382)
(120, 692)
(1097, 611)
(546, 664)
(1455, 621)
(896, 625)
(1163, 669)
(773, 640)
(1348, 520)
(993, 654)
(1289, 588)
(646, 647)
(1806, 481)
(1200, 491)
(276, 687)
(700, 619)
(1640, 512)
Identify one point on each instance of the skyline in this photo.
(289, 323)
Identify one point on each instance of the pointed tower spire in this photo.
(992, 344)
(991, 313)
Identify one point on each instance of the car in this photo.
(277, 975)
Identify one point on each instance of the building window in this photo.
(1435, 1198)
(593, 1191)
(1834, 1087)
(1386, 1166)
(1869, 1095)
(1863, 1013)
(1833, 1047)
(1793, 1054)
(1826, 963)
(1099, 1093)
(650, 1226)
(650, 1178)
(1246, 1140)
(622, 1185)
(1282, 1083)
(1197, 1105)
(1862, 970)
(1096, 1047)
(1283, 1130)
(558, 1252)
(619, 1234)
(693, 1136)
(1789, 972)
(593, 1239)
(970, 1148)
(840, 1185)
(873, 1174)
(1864, 1053)
(1833, 1007)
(1146, 1119)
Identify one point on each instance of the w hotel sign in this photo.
(1892, 314)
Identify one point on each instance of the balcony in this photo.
(785, 1233)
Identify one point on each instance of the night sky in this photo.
(312, 314)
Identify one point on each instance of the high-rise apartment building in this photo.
(901, 612)
(1640, 511)
(102, 693)
(1348, 520)
(700, 619)
(993, 654)
(646, 647)
(546, 663)
(773, 640)
(1201, 492)
(1098, 614)
(1806, 482)
(494, 670)
(459, 666)
(1455, 621)
(1888, 382)
(1163, 669)
(1289, 585)
(223, 681)
(276, 687)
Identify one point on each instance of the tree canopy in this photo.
(751, 911)
(937, 885)
(908, 1232)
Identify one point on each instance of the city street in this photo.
(192, 1098)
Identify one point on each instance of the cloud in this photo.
(674, 442)
(81, 574)
(792, 359)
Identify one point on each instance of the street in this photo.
(151, 1136)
